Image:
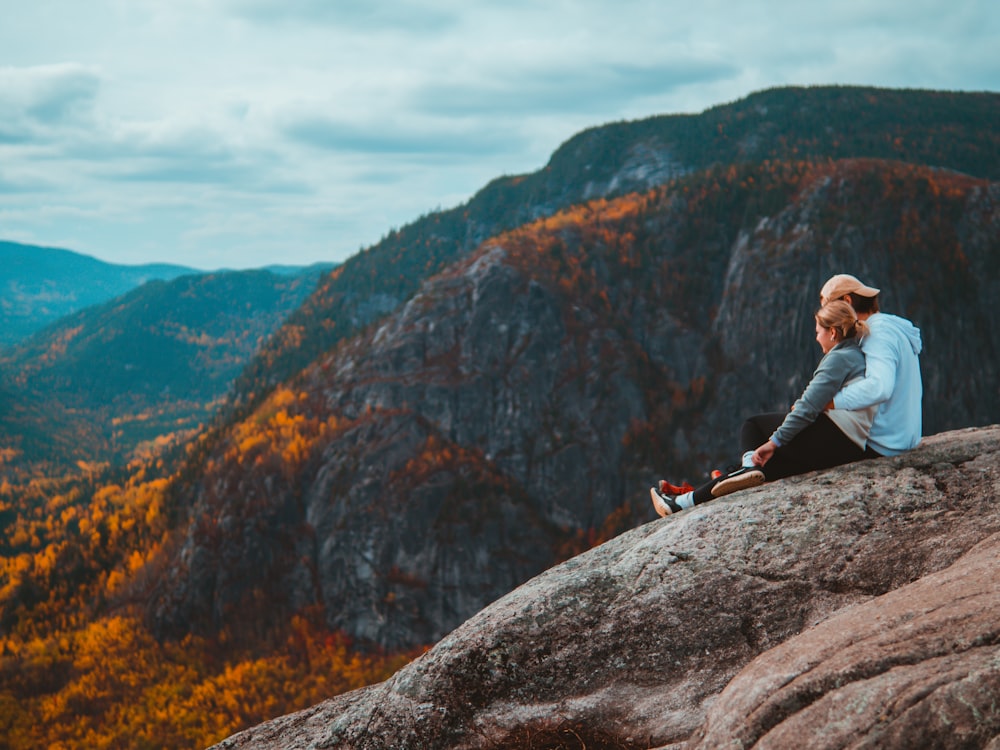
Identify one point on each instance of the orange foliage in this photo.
(437, 455)
(118, 687)
(70, 678)
(282, 430)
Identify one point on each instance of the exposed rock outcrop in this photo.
(852, 607)
(917, 667)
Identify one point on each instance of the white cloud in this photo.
(37, 101)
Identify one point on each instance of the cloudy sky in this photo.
(240, 133)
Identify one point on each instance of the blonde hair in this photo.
(840, 316)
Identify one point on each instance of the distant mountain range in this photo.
(39, 285)
(133, 367)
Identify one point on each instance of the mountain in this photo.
(39, 285)
(778, 617)
(146, 366)
(949, 130)
(526, 397)
(490, 392)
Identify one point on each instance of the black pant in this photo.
(821, 445)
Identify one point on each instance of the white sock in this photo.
(686, 500)
(748, 460)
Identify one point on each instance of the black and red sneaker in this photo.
(672, 489)
(663, 503)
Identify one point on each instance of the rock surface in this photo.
(852, 607)
(917, 667)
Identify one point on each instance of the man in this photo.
(892, 370)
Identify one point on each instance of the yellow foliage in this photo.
(124, 689)
(135, 561)
(282, 432)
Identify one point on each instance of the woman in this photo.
(808, 438)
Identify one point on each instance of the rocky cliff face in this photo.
(855, 607)
(529, 395)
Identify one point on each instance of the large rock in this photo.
(852, 607)
(917, 667)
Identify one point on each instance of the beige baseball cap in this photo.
(844, 283)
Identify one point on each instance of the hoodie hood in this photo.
(902, 325)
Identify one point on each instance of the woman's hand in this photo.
(763, 454)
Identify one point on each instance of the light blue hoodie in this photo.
(892, 380)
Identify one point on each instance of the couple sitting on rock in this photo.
(863, 401)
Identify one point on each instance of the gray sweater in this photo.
(842, 364)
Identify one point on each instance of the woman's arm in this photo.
(832, 371)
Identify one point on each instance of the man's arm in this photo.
(879, 380)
